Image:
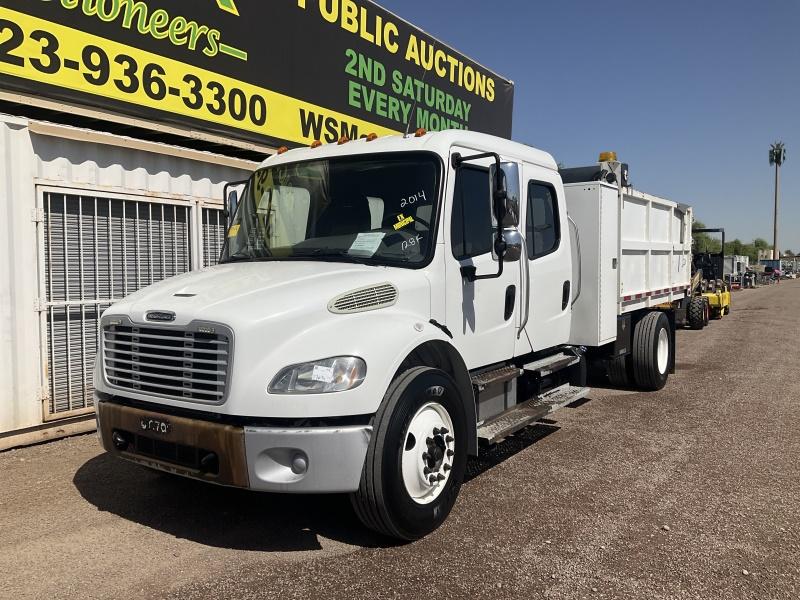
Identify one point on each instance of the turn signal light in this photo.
(283, 149)
(316, 144)
(420, 132)
(608, 157)
(343, 140)
(372, 136)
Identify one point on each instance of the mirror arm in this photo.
(469, 272)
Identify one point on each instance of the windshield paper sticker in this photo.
(323, 374)
(402, 221)
(233, 231)
(366, 244)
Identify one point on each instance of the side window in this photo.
(542, 233)
(471, 227)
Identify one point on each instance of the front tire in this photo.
(416, 458)
(652, 351)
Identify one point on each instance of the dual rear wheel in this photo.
(648, 364)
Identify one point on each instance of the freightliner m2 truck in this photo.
(382, 310)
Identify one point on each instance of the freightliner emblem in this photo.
(162, 316)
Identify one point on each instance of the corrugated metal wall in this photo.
(100, 221)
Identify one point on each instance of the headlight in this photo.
(320, 376)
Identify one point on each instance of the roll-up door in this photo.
(98, 249)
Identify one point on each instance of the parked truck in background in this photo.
(384, 305)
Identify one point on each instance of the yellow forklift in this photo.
(708, 281)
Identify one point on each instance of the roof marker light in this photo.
(283, 149)
(420, 132)
(343, 140)
(372, 136)
(316, 144)
(608, 157)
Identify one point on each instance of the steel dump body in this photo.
(635, 253)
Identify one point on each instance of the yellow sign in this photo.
(402, 221)
(53, 54)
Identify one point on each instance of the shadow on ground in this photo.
(219, 516)
(243, 520)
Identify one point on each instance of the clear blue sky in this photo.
(691, 94)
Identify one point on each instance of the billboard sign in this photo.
(283, 71)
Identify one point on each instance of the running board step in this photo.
(528, 412)
(551, 364)
(481, 380)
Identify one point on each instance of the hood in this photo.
(245, 293)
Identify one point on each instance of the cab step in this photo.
(530, 411)
(481, 380)
(551, 364)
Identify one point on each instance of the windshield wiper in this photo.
(244, 257)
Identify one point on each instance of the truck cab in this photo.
(379, 306)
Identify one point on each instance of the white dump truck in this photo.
(385, 307)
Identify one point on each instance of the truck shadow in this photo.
(218, 516)
(243, 520)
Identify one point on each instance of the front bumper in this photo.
(289, 460)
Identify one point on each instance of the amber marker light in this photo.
(343, 140)
(283, 150)
(420, 132)
(316, 144)
(372, 137)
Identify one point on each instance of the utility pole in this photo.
(777, 154)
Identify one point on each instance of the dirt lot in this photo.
(691, 492)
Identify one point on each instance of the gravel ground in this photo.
(691, 492)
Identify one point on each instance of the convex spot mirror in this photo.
(505, 194)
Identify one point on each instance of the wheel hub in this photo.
(428, 453)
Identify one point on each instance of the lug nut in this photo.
(425, 456)
(441, 477)
(450, 454)
(432, 479)
(444, 430)
(446, 467)
(436, 431)
(429, 441)
(426, 471)
(449, 439)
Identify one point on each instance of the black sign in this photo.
(264, 71)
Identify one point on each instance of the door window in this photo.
(542, 233)
(471, 225)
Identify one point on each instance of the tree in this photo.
(777, 156)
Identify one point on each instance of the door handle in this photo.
(565, 295)
(511, 298)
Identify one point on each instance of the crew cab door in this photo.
(482, 315)
(549, 255)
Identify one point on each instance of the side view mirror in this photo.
(505, 193)
(231, 197)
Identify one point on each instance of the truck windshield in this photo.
(375, 209)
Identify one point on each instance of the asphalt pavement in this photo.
(690, 492)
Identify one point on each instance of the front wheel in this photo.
(416, 458)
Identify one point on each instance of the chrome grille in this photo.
(172, 363)
(368, 298)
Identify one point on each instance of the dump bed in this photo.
(635, 252)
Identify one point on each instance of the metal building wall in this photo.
(88, 218)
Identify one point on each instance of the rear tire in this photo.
(394, 497)
(652, 351)
(706, 312)
(696, 313)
